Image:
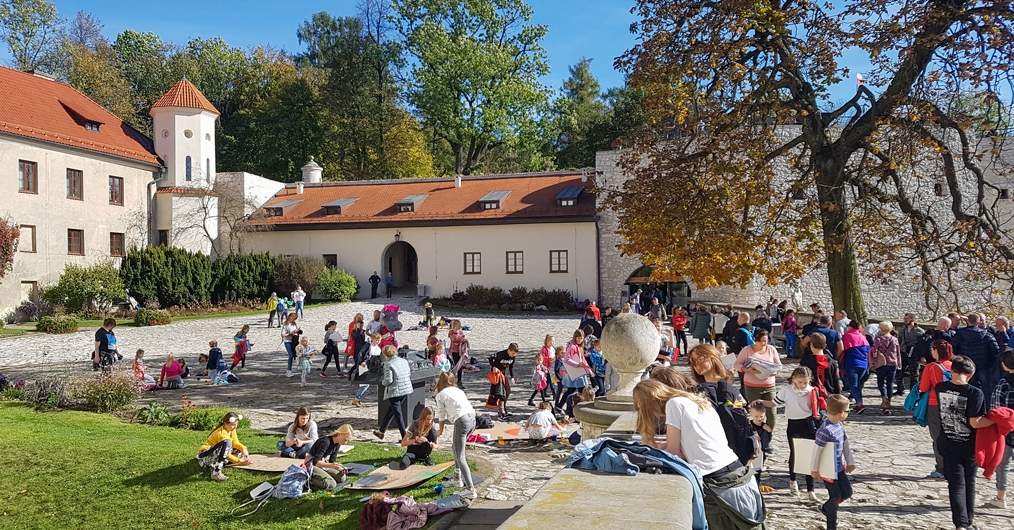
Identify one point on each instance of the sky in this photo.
(596, 29)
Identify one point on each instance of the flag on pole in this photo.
(859, 80)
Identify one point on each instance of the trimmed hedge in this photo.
(517, 299)
(338, 285)
(166, 275)
(58, 324)
(242, 277)
(152, 317)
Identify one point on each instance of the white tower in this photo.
(186, 207)
(184, 132)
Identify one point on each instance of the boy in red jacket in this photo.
(962, 411)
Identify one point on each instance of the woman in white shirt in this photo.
(300, 435)
(453, 407)
(694, 433)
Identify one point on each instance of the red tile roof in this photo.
(184, 94)
(532, 198)
(179, 190)
(47, 110)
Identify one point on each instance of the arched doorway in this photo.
(675, 290)
(400, 259)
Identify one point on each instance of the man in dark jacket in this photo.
(980, 346)
(743, 336)
(763, 321)
(374, 284)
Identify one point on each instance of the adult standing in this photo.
(635, 302)
(694, 433)
(856, 362)
(350, 346)
(374, 325)
(105, 345)
(980, 346)
(700, 325)
(273, 310)
(1004, 335)
(789, 328)
(841, 321)
(290, 338)
(594, 307)
(389, 283)
(762, 321)
(298, 296)
(885, 361)
(453, 407)
(657, 310)
(908, 339)
(834, 339)
(374, 284)
(741, 336)
(397, 385)
(758, 384)
(942, 353)
(590, 320)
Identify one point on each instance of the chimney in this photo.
(311, 173)
(584, 175)
(457, 181)
(299, 188)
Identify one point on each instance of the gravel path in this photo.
(893, 454)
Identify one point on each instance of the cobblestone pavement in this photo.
(893, 454)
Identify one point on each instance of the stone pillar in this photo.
(630, 344)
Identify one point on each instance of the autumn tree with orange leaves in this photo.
(748, 168)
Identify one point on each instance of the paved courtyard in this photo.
(893, 454)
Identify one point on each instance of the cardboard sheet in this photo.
(278, 464)
(385, 478)
(804, 456)
(516, 431)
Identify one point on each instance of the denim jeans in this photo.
(361, 391)
(790, 344)
(299, 309)
(854, 378)
(300, 451)
(213, 375)
(885, 380)
(1001, 470)
(178, 380)
(463, 426)
(291, 352)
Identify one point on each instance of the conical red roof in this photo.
(185, 94)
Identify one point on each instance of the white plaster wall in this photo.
(168, 127)
(52, 213)
(440, 252)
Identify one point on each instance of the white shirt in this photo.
(374, 326)
(796, 407)
(287, 330)
(453, 404)
(542, 419)
(702, 437)
(298, 296)
(842, 326)
(374, 350)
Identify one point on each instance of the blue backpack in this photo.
(918, 402)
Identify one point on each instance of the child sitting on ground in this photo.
(833, 432)
(758, 420)
(303, 354)
(214, 360)
(587, 394)
(541, 421)
(184, 369)
(420, 441)
(140, 370)
(202, 366)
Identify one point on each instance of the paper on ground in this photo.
(804, 457)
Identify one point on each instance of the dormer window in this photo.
(493, 200)
(337, 206)
(569, 196)
(91, 126)
(281, 208)
(409, 204)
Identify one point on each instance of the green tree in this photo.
(33, 31)
(579, 110)
(81, 288)
(473, 73)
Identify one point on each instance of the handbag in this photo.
(539, 380)
(922, 405)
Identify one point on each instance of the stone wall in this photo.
(614, 266)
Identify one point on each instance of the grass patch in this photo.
(82, 470)
(8, 332)
(213, 314)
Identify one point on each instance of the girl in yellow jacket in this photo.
(223, 446)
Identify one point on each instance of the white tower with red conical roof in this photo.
(186, 206)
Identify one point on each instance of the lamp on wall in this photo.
(397, 236)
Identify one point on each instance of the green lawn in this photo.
(264, 312)
(8, 332)
(83, 470)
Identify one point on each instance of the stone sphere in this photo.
(630, 342)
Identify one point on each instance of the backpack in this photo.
(483, 421)
(738, 431)
(228, 376)
(280, 307)
(294, 482)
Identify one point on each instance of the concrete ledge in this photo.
(576, 498)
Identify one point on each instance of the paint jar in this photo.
(499, 440)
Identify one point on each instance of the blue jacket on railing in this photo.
(605, 454)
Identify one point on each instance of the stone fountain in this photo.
(630, 344)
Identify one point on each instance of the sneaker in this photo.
(292, 454)
(997, 503)
(859, 409)
(820, 508)
(357, 403)
(395, 466)
(218, 477)
(794, 488)
(937, 475)
(428, 461)
(289, 373)
(322, 374)
(812, 495)
(468, 494)
(531, 403)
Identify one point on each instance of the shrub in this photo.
(10, 233)
(81, 288)
(58, 324)
(152, 317)
(519, 295)
(242, 277)
(477, 294)
(167, 275)
(48, 393)
(153, 414)
(110, 392)
(29, 309)
(557, 299)
(338, 285)
(303, 271)
(12, 393)
(202, 419)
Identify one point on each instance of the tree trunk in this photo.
(842, 269)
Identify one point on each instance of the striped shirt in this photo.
(833, 433)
